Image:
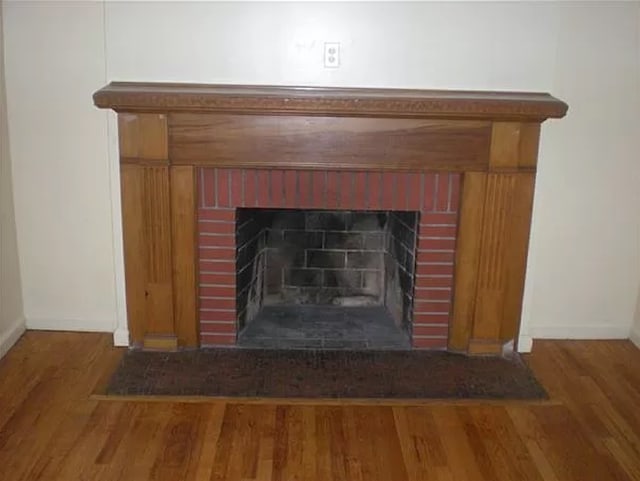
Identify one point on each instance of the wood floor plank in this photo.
(267, 418)
(224, 446)
(144, 441)
(563, 440)
(461, 458)
(386, 441)
(181, 441)
(422, 449)
(323, 443)
(212, 428)
(51, 428)
(508, 453)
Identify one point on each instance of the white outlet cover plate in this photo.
(332, 54)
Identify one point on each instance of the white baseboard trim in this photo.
(121, 337)
(11, 336)
(579, 332)
(70, 325)
(525, 343)
(634, 335)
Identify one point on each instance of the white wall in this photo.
(11, 316)
(54, 61)
(584, 266)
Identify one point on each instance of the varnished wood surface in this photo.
(184, 233)
(146, 220)
(51, 428)
(367, 102)
(471, 219)
(286, 141)
(514, 145)
(503, 255)
(143, 137)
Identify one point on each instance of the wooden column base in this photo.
(160, 343)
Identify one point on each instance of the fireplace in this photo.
(247, 208)
(327, 238)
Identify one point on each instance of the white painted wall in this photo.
(11, 316)
(54, 61)
(584, 266)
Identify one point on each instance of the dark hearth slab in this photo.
(323, 374)
(323, 327)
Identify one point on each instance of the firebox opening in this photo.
(325, 279)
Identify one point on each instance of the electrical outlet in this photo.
(331, 55)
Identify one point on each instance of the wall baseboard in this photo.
(121, 337)
(525, 343)
(11, 336)
(634, 335)
(81, 325)
(579, 332)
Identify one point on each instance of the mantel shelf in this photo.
(353, 102)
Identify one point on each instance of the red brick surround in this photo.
(221, 191)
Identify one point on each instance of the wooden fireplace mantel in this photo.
(167, 131)
(351, 102)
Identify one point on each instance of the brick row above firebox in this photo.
(433, 196)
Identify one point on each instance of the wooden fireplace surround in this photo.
(168, 131)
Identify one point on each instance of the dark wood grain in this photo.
(365, 102)
(328, 142)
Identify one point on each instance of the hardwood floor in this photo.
(51, 429)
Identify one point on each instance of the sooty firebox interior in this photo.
(325, 279)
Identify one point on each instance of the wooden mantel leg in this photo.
(184, 231)
(495, 218)
(146, 217)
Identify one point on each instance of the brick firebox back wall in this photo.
(434, 195)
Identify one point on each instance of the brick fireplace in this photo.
(425, 306)
(209, 172)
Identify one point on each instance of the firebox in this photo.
(298, 259)
(321, 278)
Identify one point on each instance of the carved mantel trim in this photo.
(362, 102)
